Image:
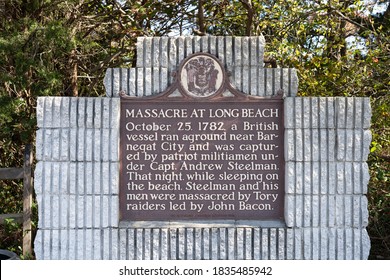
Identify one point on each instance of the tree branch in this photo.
(350, 20)
(202, 29)
(248, 6)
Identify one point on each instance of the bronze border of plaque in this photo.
(200, 82)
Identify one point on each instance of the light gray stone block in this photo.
(114, 145)
(350, 112)
(340, 187)
(107, 244)
(341, 112)
(56, 144)
(307, 144)
(364, 211)
(367, 113)
(249, 244)
(315, 189)
(340, 244)
(272, 244)
(163, 53)
(48, 112)
(123, 244)
(365, 177)
(269, 80)
(359, 113)
(55, 107)
(239, 56)
(307, 178)
(140, 82)
(65, 112)
(356, 218)
(299, 178)
(314, 116)
(340, 210)
(298, 236)
(228, 54)
(72, 214)
(281, 240)
(289, 113)
(107, 109)
(350, 142)
(348, 211)
(332, 244)
(80, 111)
(323, 243)
(299, 211)
(290, 177)
(289, 233)
(147, 81)
(254, 51)
(307, 244)
(323, 177)
(264, 244)
(47, 143)
(131, 88)
(290, 207)
(298, 104)
(315, 202)
(307, 210)
(124, 81)
(323, 211)
(131, 243)
(116, 78)
(331, 110)
(289, 140)
(367, 138)
(306, 112)
(180, 45)
(164, 247)
(299, 144)
(331, 145)
(73, 112)
(39, 144)
(252, 84)
(89, 113)
(80, 211)
(40, 111)
(331, 211)
(323, 112)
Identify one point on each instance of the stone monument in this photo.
(200, 152)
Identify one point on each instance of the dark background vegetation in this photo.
(62, 48)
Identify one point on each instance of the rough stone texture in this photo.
(158, 58)
(326, 175)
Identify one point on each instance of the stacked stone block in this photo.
(76, 177)
(326, 146)
(158, 59)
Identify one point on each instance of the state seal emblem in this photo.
(201, 75)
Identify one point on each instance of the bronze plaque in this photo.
(198, 159)
(202, 160)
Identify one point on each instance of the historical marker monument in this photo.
(210, 152)
(201, 153)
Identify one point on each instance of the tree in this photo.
(63, 47)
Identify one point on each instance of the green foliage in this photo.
(11, 236)
(379, 187)
(379, 206)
